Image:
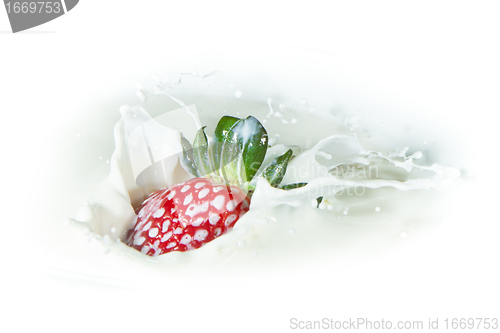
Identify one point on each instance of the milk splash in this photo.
(334, 165)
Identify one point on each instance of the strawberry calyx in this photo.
(235, 155)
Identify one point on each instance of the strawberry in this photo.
(188, 215)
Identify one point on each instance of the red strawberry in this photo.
(186, 216)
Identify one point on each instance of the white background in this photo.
(448, 51)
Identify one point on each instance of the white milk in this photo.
(375, 191)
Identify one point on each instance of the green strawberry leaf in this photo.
(319, 200)
(187, 160)
(232, 168)
(292, 186)
(275, 172)
(200, 153)
(221, 136)
(251, 137)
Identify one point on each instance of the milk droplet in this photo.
(352, 119)
(345, 212)
(241, 243)
(238, 93)
(274, 140)
(84, 213)
(291, 231)
(417, 155)
(107, 240)
(377, 209)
